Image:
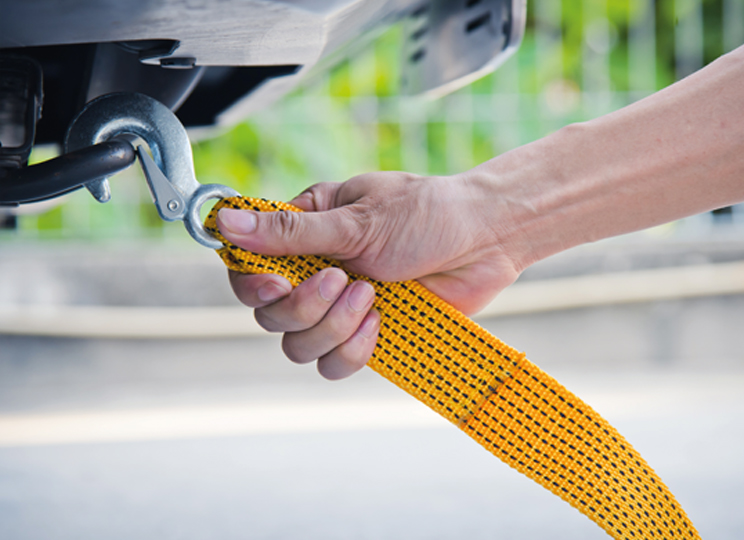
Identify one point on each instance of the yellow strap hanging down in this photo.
(498, 397)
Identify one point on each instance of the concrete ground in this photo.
(203, 439)
(105, 439)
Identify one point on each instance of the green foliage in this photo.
(572, 29)
(352, 119)
(230, 159)
(387, 63)
(483, 144)
(436, 139)
(51, 220)
(712, 36)
(388, 146)
(340, 84)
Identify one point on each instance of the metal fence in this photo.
(579, 60)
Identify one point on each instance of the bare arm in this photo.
(466, 237)
(677, 153)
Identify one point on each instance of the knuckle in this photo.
(293, 349)
(294, 313)
(359, 351)
(331, 367)
(287, 224)
(266, 321)
(353, 232)
(343, 361)
(305, 315)
(355, 355)
(339, 328)
(318, 194)
(241, 287)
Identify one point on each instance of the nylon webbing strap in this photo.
(498, 397)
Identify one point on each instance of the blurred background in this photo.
(137, 399)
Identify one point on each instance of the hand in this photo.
(466, 237)
(388, 226)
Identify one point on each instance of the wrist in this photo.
(520, 196)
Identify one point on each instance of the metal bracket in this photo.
(450, 44)
(170, 175)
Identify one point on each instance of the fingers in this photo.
(322, 318)
(353, 354)
(260, 289)
(318, 198)
(291, 233)
(336, 327)
(306, 305)
(329, 195)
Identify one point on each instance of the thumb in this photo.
(330, 233)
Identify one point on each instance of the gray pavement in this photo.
(202, 439)
(402, 476)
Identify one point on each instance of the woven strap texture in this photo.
(494, 394)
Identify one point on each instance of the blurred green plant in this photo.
(574, 64)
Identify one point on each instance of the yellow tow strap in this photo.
(494, 394)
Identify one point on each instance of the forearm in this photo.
(466, 238)
(674, 154)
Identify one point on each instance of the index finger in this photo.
(259, 290)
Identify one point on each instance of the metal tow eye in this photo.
(170, 171)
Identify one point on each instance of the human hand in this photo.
(389, 226)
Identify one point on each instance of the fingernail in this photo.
(361, 296)
(271, 291)
(369, 326)
(332, 285)
(237, 221)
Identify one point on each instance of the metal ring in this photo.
(129, 113)
(192, 219)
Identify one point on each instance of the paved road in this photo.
(201, 440)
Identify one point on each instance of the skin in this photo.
(466, 237)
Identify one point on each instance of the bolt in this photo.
(173, 206)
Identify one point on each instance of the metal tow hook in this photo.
(170, 171)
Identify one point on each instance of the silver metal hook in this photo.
(170, 171)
